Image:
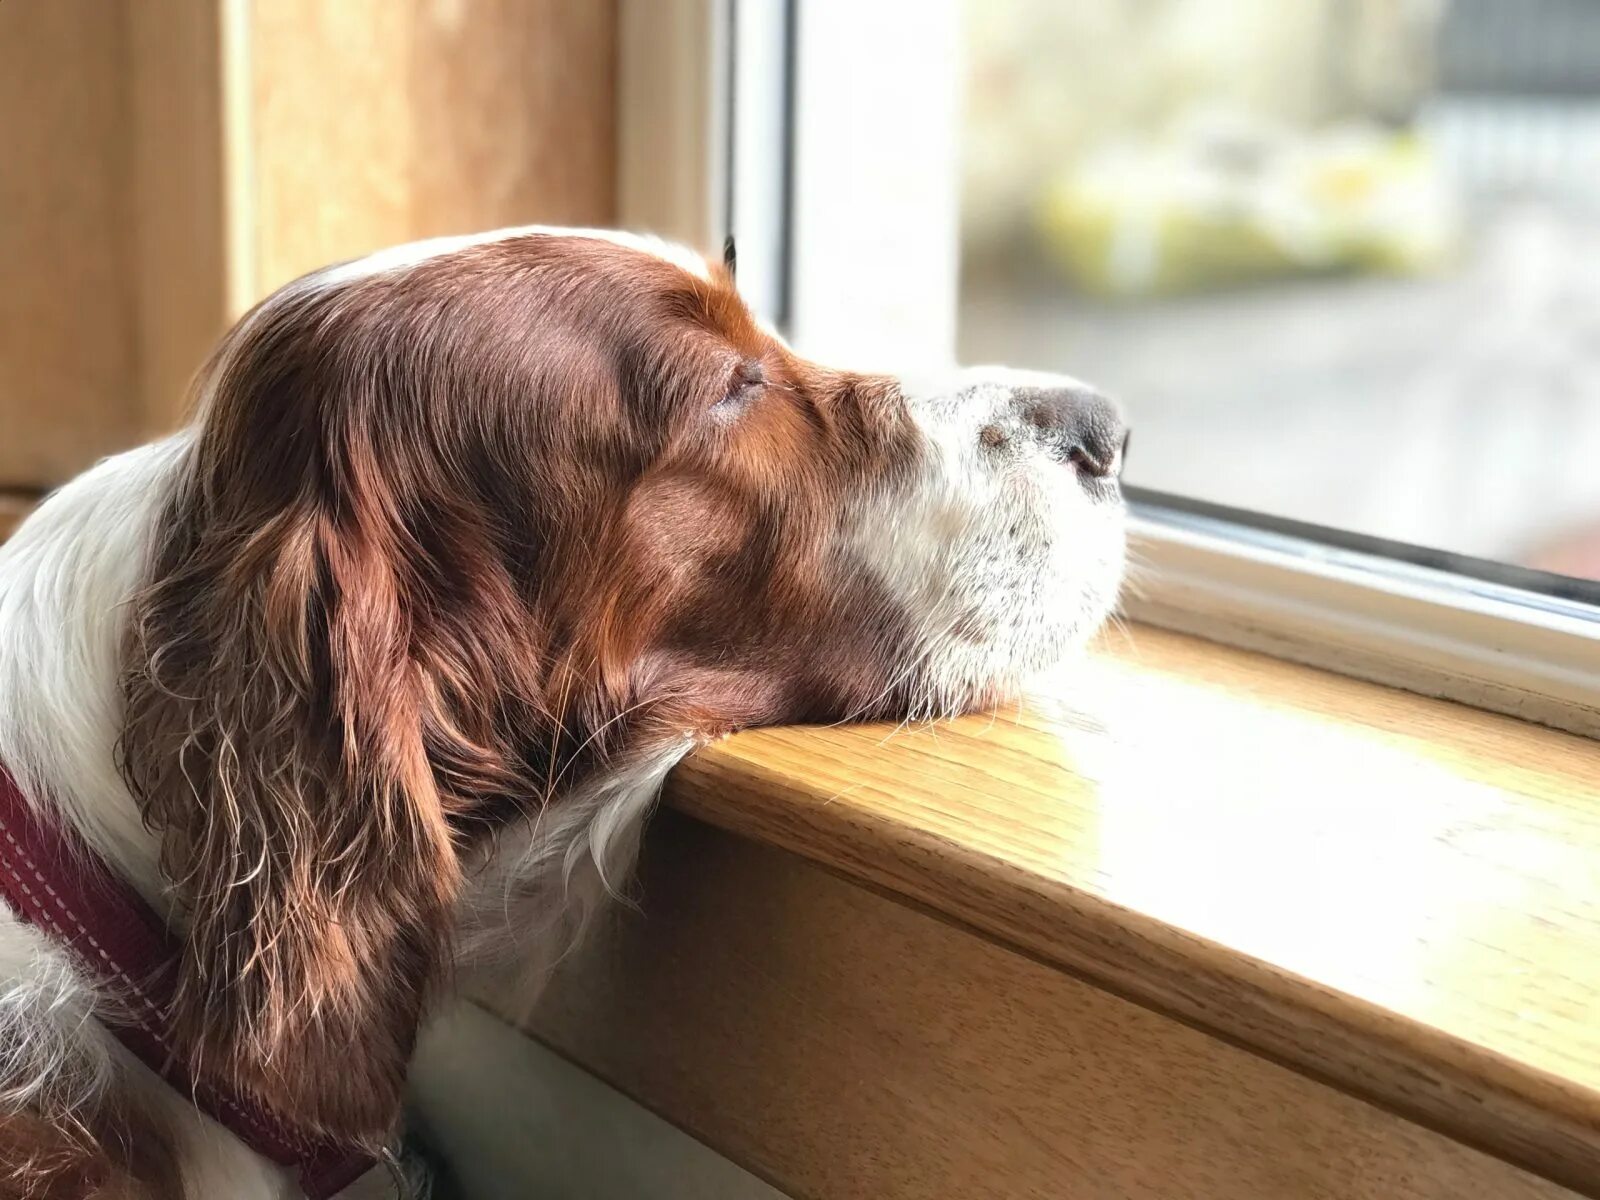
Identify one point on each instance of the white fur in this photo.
(1011, 542)
(52, 1051)
(1028, 564)
(66, 577)
(536, 897)
(397, 258)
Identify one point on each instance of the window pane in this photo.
(1341, 258)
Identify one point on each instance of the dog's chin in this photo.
(1028, 644)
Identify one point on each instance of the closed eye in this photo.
(746, 382)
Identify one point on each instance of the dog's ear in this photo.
(300, 732)
(274, 738)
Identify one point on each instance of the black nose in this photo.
(1079, 425)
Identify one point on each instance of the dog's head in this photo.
(463, 527)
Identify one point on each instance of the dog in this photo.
(373, 672)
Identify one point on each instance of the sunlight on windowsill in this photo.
(1374, 886)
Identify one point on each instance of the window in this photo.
(1337, 257)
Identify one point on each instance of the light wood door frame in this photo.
(187, 156)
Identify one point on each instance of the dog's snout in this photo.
(1080, 427)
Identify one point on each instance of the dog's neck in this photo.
(66, 579)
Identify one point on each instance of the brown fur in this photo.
(109, 1152)
(450, 541)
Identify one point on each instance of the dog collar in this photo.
(58, 884)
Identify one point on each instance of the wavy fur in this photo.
(378, 669)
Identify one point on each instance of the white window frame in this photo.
(864, 273)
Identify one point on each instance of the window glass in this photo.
(1341, 258)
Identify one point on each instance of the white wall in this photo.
(518, 1122)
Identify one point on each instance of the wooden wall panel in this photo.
(377, 121)
(178, 183)
(670, 172)
(67, 359)
(164, 163)
(12, 510)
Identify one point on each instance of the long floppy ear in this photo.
(274, 739)
(286, 735)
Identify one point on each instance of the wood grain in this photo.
(378, 122)
(1396, 895)
(180, 297)
(67, 357)
(168, 162)
(847, 1047)
(670, 158)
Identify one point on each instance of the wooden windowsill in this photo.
(1395, 896)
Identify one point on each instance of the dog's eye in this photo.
(743, 385)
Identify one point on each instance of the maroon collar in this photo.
(57, 883)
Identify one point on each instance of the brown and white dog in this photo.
(375, 670)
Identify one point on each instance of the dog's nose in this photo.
(1080, 426)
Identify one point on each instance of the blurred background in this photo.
(165, 163)
(1339, 257)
